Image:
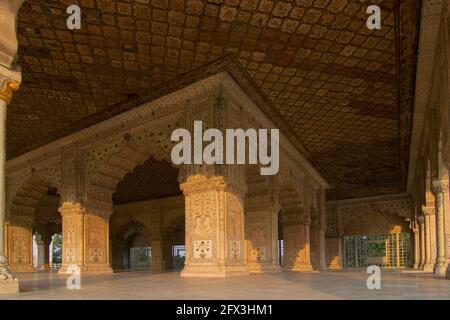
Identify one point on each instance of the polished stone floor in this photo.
(318, 285)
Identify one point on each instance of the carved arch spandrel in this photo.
(25, 199)
(399, 208)
(110, 159)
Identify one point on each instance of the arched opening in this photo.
(147, 224)
(377, 238)
(33, 221)
(131, 247)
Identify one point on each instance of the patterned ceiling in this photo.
(344, 91)
(154, 179)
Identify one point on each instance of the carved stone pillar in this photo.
(9, 81)
(421, 222)
(214, 196)
(262, 245)
(416, 251)
(20, 244)
(323, 229)
(96, 243)
(84, 239)
(440, 189)
(334, 252)
(317, 237)
(40, 254)
(428, 213)
(168, 257)
(446, 205)
(46, 254)
(261, 224)
(297, 256)
(157, 258)
(214, 228)
(72, 236)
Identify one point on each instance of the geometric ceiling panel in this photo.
(154, 179)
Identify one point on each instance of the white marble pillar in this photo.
(40, 254)
(428, 213)
(421, 222)
(416, 247)
(439, 189)
(9, 82)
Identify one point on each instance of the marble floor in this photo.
(406, 284)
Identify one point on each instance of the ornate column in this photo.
(317, 234)
(168, 258)
(416, 246)
(261, 224)
(334, 252)
(10, 78)
(20, 244)
(43, 237)
(157, 258)
(428, 213)
(421, 221)
(214, 196)
(297, 256)
(72, 236)
(440, 189)
(46, 253)
(85, 230)
(84, 240)
(214, 228)
(40, 254)
(333, 240)
(9, 82)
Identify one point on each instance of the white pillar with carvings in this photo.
(10, 78)
(421, 223)
(428, 213)
(440, 189)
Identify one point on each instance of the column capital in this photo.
(9, 82)
(439, 186)
(428, 211)
(200, 183)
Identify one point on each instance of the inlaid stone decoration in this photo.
(235, 249)
(203, 249)
(259, 253)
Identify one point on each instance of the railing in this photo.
(56, 266)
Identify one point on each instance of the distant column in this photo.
(440, 189)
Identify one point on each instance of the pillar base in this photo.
(440, 268)
(319, 268)
(428, 267)
(66, 269)
(214, 271)
(22, 269)
(261, 268)
(334, 266)
(9, 286)
(299, 268)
